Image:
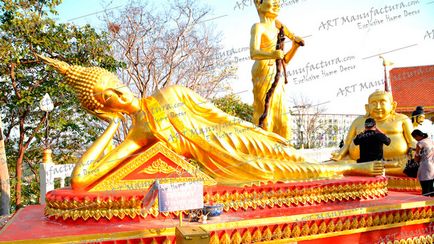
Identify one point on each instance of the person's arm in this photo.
(357, 140)
(417, 154)
(92, 165)
(388, 141)
(256, 53)
(296, 42)
(384, 139)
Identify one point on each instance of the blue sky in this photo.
(347, 35)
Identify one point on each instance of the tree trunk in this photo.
(4, 177)
(19, 166)
(19, 173)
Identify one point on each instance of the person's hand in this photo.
(298, 41)
(411, 152)
(278, 54)
(378, 130)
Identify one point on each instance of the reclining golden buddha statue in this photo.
(230, 150)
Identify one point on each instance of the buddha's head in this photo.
(97, 89)
(418, 115)
(380, 105)
(268, 8)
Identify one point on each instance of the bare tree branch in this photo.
(308, 124)
(162, 48)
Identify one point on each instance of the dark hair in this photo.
(417, 112)
(369, 123)
(419, 133)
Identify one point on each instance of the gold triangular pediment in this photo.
(157, 162)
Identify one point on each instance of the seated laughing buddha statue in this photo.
(397, 127)
(230, 150)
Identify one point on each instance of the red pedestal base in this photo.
(395, 217)
(71, 206)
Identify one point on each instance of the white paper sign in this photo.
(180, 196)
(46, 104)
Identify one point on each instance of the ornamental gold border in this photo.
(121, 208)
(318, 229)
(314, 195)
(412, 240)
(403, 184)
(114, 181)
(101, 209)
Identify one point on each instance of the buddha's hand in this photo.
(339, 155)
(374, 168)
(109, 116)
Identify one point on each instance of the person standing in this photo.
(371, 142)
(420, 122)
(425, 156)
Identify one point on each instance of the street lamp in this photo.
(46, 105)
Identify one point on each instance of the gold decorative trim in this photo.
(294, 197)
(159, 166)
(317, 229)
(121, 207)
(101, 209)
(412, 240)
(237, 201)
(403, 184)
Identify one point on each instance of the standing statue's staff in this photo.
(280, 65)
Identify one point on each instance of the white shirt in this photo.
(426, 127)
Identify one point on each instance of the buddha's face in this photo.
(115, 96)
(380, 106)
(269, 8)
(420, 119)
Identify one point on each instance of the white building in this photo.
(320, 130)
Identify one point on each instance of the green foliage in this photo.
(25, 29)
(232, 104)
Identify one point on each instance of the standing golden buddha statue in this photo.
(263, 50)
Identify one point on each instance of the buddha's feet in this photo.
(373, 168)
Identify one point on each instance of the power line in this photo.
(94, 13)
